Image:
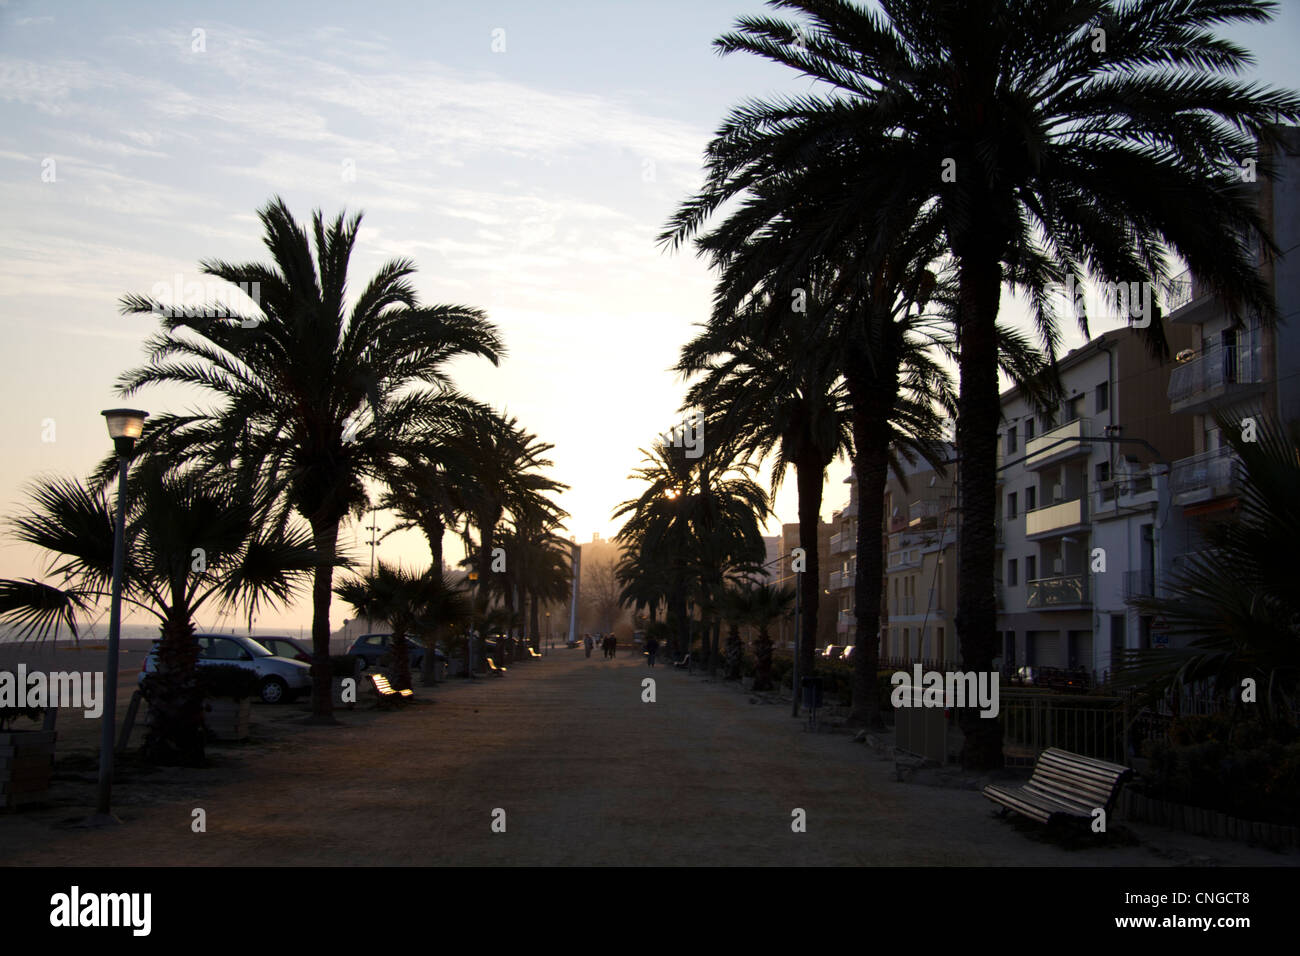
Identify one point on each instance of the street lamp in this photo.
(124, 426)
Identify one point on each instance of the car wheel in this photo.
(274, 690)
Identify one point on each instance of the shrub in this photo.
(1236, 767)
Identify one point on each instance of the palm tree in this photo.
(1049, 138)
(701, 519)
(317, 397)
(505, 460)
(737, 610)
(781, 396)
(1237, 599)
(411, 603)
(766, 604)
(188, 546)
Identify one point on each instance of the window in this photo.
(1012, 580)
(1031, 498)
(1031, 568)
(1029, 428)
(1103, 396)
(1073, 408)
(224, 650)
(1048, 419)
(1103, 471)
(1011, 506)
(1011, 439)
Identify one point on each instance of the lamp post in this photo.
(124, 427)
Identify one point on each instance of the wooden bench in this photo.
(492, 666)
(532, 652)
(387, 693)
(684, 662)
(1063, 786)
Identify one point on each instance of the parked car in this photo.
(281, 679)
(285, 647)
(369, 648)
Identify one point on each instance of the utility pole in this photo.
(373, 527)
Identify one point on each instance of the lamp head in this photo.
(125, 425)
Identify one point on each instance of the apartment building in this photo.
(1085, 518)
(826, 608)
(920, 595)
(843, 564)
(1244, 371)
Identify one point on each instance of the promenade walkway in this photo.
(585, 772)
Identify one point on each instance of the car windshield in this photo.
(256, 649)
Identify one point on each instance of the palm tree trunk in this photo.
(325, 534)
(175, 734)
(979, 412)
(809, 477)
(535, 623)
(873, 405)
(434, 530)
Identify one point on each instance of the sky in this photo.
(525, 155)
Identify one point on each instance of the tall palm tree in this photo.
(316, 396)
(699, 517)
(505, 464)
(778, 395)
(1051, 138)
(410, 603)
(188, 547)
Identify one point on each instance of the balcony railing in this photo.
(1050, 446)
(1062, 590)
(905, 559)
(1207, 475)
(1215, 371)
(1054, 517)
(925, 513)
(837, 539)
(1178, 291)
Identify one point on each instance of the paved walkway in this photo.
(585, 772)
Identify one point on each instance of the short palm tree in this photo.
(316, 396)
(1236, 600)
(188, 547)
(766, 604)
(410, 603)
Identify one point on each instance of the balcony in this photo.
(1204, 477)
(845, 621)
(1218, 375)
(1055, 446)
(837, 542)
(1184, 295)
(1057, 518)
(924, 515)
(1062, 591)
(899, 560)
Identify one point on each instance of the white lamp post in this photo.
(124, 426)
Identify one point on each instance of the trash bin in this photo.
(812, 692)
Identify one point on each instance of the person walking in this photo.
(651, 648)
(587, 643)
(613, 646)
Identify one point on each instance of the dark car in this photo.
(369, 648)
(285, 647)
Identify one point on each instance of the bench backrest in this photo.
(382, 685)
(1075, 780)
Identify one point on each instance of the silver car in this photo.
(282, 679)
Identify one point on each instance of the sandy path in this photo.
(586, 774)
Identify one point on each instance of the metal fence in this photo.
(1032, 721)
